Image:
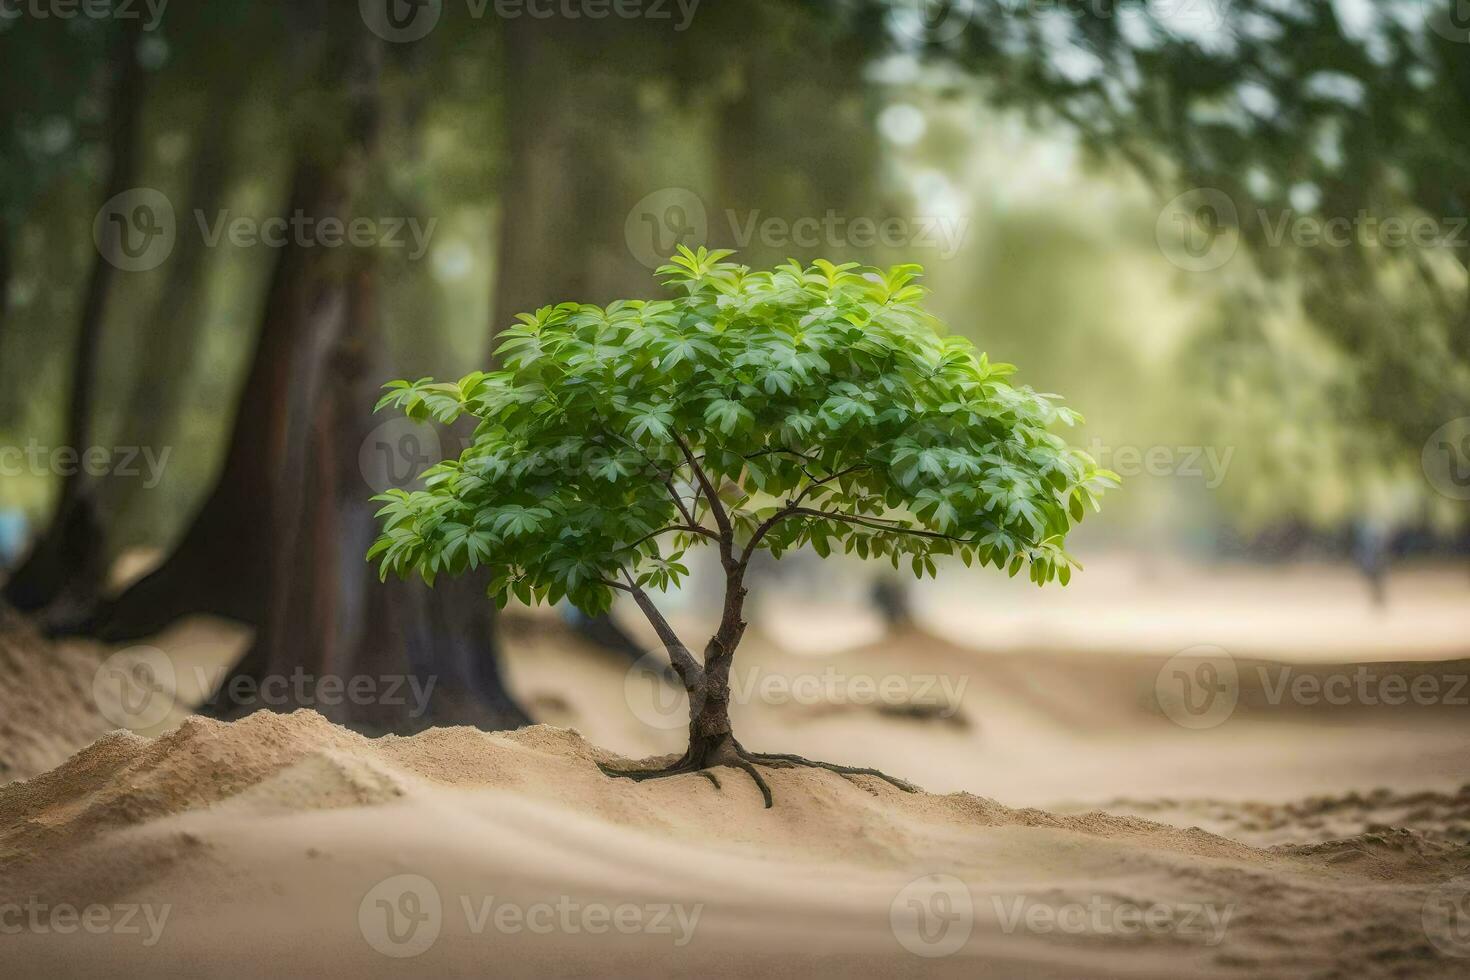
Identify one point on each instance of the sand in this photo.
(46, 705)
(264, 847)
(1068, 827)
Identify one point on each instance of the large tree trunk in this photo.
(280, 543)
(67, 564)
(420, 656)
(221, 564)
(150, 415)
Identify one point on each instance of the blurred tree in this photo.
(1341, 114)
(67, 562)
(268, 545)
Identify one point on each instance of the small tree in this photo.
(756, 410)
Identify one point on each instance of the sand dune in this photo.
(1292, 839)
(286, 846)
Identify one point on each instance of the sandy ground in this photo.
(1077, 821)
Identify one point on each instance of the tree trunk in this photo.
(174, 324)
(221, 564)
(281, 541)
(5, 273)
(710, 734)
(421, 656)
(67, 563)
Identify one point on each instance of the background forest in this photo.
(1172, 212)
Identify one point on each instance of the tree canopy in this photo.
(816, 405)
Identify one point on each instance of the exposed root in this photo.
(739, 758)
(792, 761)
(680, 768)
(765, 790)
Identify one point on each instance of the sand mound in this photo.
(284, 838)
(1435, 817)
(46, 706)
(297, 762)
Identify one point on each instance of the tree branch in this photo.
(791, 507)
(689, 670)
(722, 519)
(692, 528)
(871, 524)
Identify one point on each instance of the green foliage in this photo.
(802, 406)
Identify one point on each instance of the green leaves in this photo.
(821, 403)
(727, 415)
